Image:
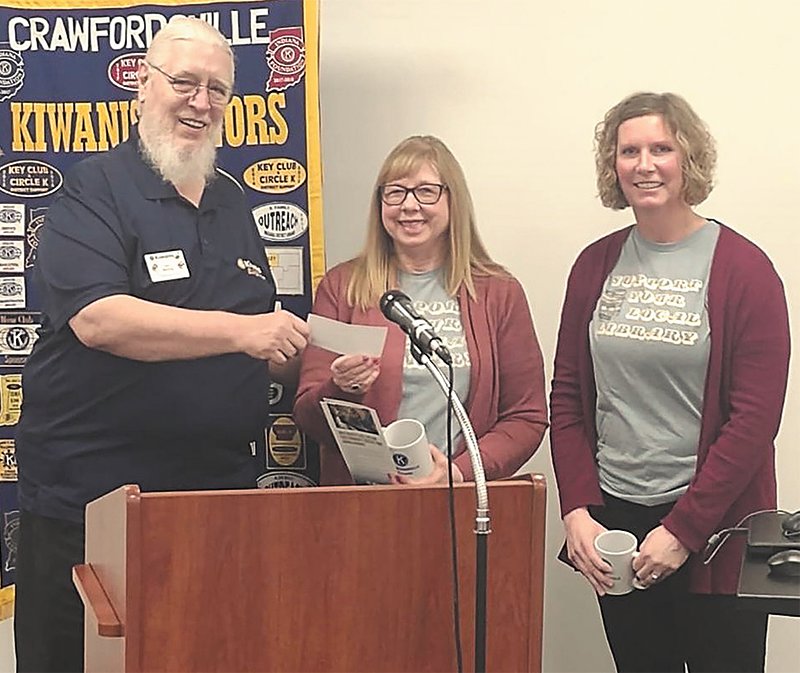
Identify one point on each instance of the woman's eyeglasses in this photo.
(426, 194)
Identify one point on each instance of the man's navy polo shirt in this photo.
(92, 421)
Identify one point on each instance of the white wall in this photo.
(7, 662)
(515, 88)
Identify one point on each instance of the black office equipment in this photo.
(774, 592)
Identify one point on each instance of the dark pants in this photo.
(48, 613)
(664, 627)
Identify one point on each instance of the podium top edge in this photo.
(133, 491)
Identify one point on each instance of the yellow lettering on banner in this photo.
(99, 126)
(253, 120)
(129, 110)
(276, 100)
(38, 115)
(255, 111)
(60, 117)
(107, 126)
(234, 123)
(21, 138)
(84, 140)
(71, 127)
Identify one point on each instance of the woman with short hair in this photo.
(670, 377)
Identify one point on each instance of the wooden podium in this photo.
(308, 579)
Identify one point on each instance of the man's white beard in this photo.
(176, 164)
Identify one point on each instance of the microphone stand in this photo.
(482, 518)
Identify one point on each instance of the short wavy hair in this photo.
(698, 150)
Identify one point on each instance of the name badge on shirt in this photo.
(167, 265)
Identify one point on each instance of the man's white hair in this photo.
(187, 28)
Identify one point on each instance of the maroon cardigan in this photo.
(506, 403)
(743, 400)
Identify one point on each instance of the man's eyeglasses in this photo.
(425, 194)
(218, 94)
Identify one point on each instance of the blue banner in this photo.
(68, 90)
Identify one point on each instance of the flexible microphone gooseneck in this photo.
(398, 308)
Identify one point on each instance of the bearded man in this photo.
(158, 332)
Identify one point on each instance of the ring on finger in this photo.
(355, 386)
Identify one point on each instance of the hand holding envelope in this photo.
(344, 338)
(372, 453)
(360, 345)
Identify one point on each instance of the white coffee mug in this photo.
(408, 443)
(618, 549)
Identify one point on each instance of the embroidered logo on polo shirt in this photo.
(251, 268)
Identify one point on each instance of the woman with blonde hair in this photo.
(422, 239)
(670, 377)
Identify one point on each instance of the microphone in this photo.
(397, 307)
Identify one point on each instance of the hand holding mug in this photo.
(660, 555)
(581, 530)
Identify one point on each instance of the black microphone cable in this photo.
(719, 538)
(418, 349)
(453, 532)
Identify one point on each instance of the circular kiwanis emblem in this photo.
(10, 287)
(16, 338)
(10, 216)
(400, 459)
(275, 393)
(12, 73)
(122, 71)
(284, 480)
(280, 221)
(275, 176)
(286, 55)
(9, 252)
(286, 58)
(29, 178)
(284, 441)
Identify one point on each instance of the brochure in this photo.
(360, 438)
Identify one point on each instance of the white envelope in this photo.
(346, 339)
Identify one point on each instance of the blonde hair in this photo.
(375, 269)
(192, 29)
(698, 150)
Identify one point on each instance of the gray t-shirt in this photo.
(650, 344)
(422, 398)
